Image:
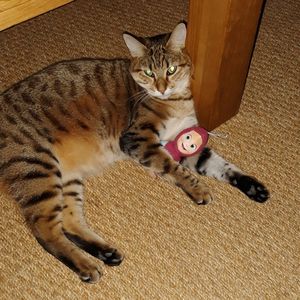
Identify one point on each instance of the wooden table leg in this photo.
(221, 36)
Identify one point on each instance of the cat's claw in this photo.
(201, 196)
(154, 174)
(90, 273)
(204, 198)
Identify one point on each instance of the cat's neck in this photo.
(179, 108)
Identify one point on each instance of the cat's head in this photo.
(160, 64)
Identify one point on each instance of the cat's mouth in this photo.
(163, 96)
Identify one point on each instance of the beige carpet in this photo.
(231, 249)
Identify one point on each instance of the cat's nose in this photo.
(161, 85)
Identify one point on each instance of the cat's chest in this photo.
(183, 118)
(174, 125)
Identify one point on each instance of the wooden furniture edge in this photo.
(25, 10)
(220, 41)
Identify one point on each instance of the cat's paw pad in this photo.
(251, 187)
(111, 257)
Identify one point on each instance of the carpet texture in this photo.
(231, 249)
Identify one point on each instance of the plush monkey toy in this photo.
(187, 143)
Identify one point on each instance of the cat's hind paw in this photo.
(111, 257)
(90, 275)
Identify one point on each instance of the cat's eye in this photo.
(149, 73)
(193, 146)
(171, 70)
(188, 137)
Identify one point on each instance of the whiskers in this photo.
(136, 99)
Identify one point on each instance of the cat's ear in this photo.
(176, 41)
(136, 48)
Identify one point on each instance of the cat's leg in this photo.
(35, 182)
(75, 227)
(145, 148)
(211, 164)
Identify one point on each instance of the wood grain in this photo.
(13, 12)
(221, 36)
(7, 4)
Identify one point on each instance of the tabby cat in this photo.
(74, 118)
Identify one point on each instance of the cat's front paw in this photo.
(200, 194)
(251, 187)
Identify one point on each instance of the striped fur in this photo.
(74, 118)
